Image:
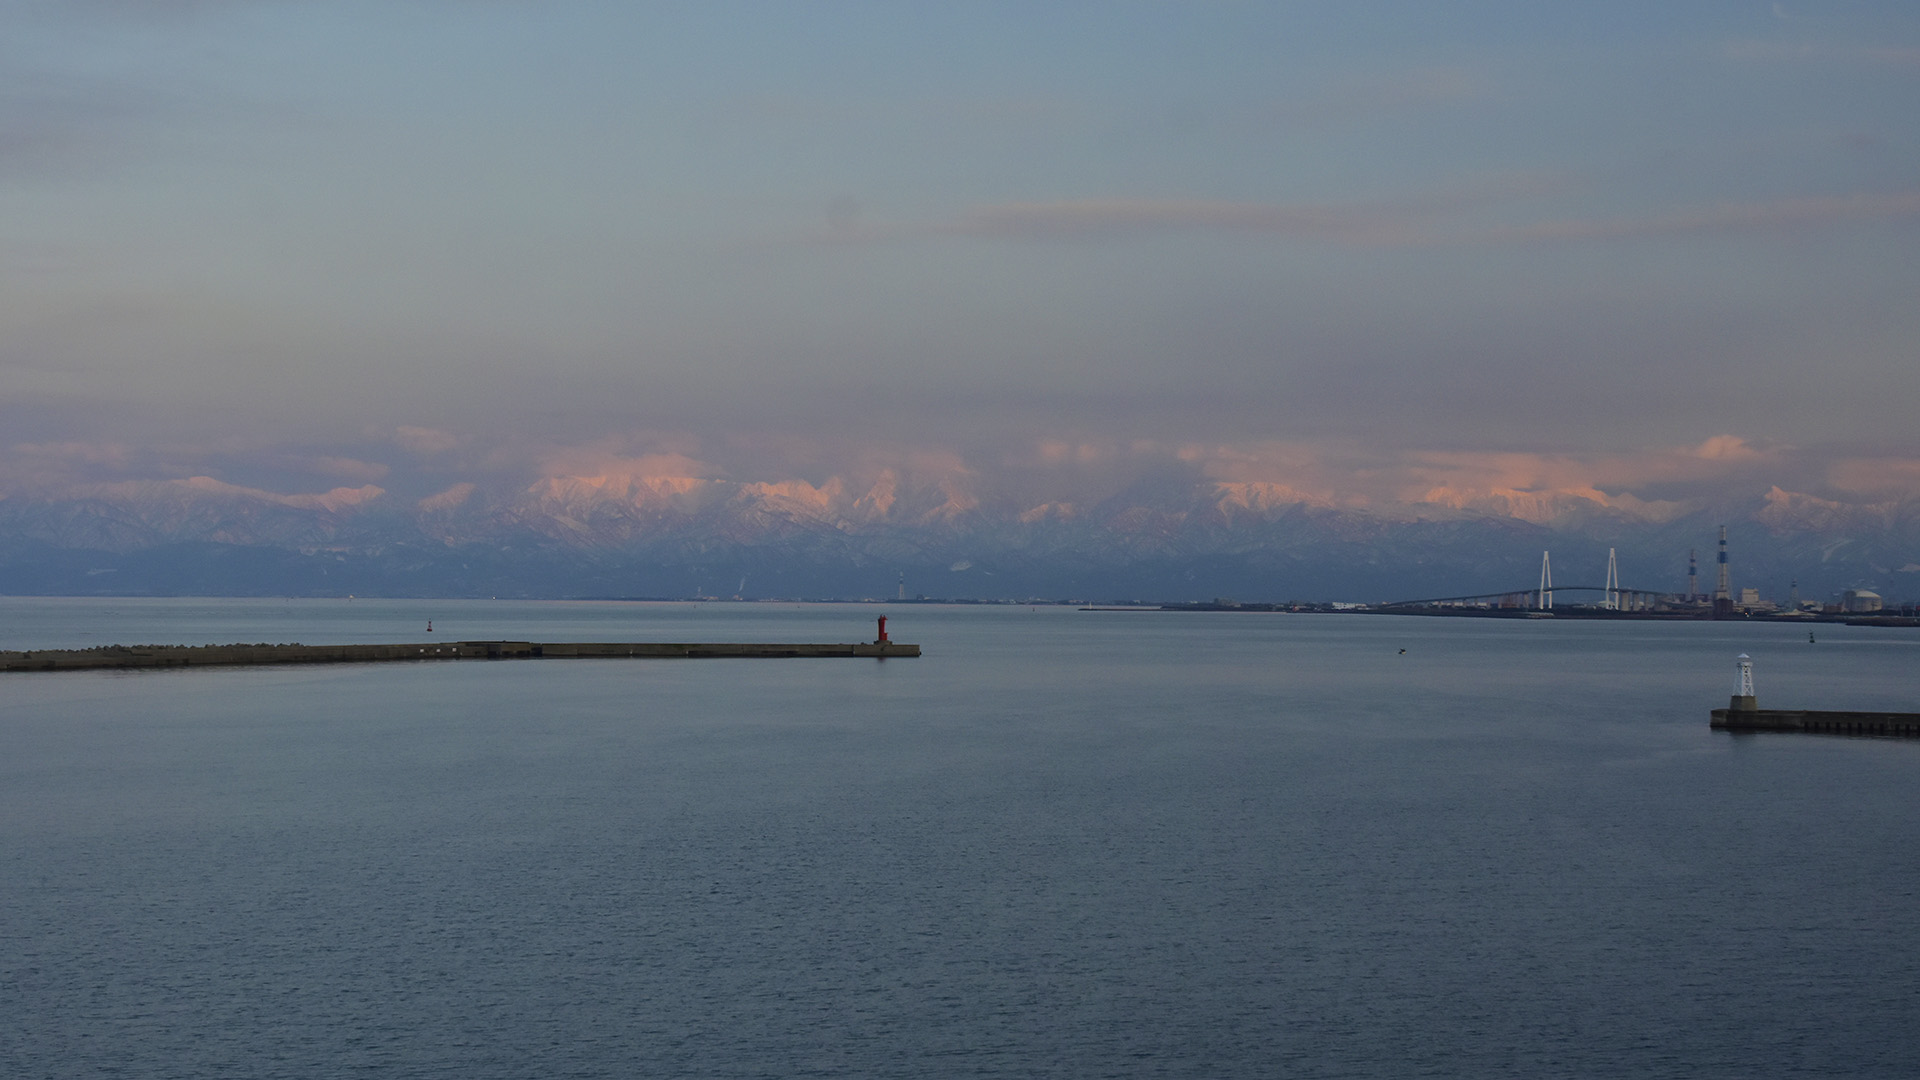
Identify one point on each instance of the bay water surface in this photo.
(1061, 843)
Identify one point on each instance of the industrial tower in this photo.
(1723, 589)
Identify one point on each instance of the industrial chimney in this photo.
(1723, 589)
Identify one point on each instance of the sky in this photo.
(1362, 249)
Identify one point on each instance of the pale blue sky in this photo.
(1575, 228)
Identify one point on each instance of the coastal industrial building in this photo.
(1860, 601)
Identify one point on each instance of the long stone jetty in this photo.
(167, 656)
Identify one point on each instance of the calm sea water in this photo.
(1062, 844)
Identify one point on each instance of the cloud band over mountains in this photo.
(1090, 274)
(440, 470)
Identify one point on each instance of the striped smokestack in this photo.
(1723, 589)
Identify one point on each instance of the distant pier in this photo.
(169, 656)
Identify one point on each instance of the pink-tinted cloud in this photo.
(583, 479)
(1532, 486)
(1460, 477)
(1727, 448)
(337, 499)
(1048, 480)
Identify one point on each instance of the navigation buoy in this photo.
(429, 626)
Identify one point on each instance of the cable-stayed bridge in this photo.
(1615, 596)
(1629, 599)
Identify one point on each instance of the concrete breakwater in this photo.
(157, 656)
(1818, 722)
(1743, 713)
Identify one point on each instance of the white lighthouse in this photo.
(1743, 698)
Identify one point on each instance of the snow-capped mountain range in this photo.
(626, 534)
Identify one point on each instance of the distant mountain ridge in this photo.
(1193, 539)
